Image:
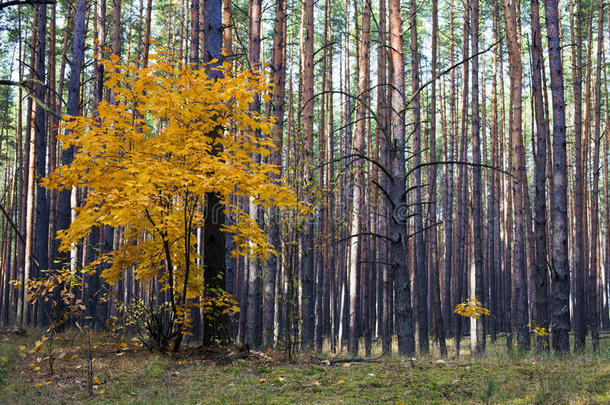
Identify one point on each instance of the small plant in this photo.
(55, 295)
(540, 332)
(541, 337)
(472, 308)
(489, 392)
(3, 368)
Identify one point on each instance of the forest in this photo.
(287, 179)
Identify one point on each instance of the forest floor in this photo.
(125, 372)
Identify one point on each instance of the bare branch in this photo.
(25, 2)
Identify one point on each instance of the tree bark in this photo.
(477, 332)
(214, 239)
(560, 270)
(279, 86)
(41, 225)
(398, 228)
(435, 299)
(449, 141)
(595, 228)
(307, 270)
(578, 314)
(64, 210)
(540, 278)
(254, 314)
(461, 231)
(518, 170)
(358, 197)
(421, 274)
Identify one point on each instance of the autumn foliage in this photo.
(172, 136)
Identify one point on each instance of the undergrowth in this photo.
(125, 372)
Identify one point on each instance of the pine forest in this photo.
(385, 184)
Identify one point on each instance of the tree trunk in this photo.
(449, 141)
(279, 86)
(518, 170)
(41, 225)
(593, 271)
(383, 142)
(560, 270)
(195, 28)
(358, 197)
(461, 230)
(307, 270)
(477, 333)
(254, 321)
(494, 263)
(64, 210)
(147, 33)
(578, 313)
(398, 228)
(540, 279)
(435, 299)
(421, 275)
(213, 239)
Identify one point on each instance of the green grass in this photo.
(128, 374)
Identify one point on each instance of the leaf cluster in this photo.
(472, 308)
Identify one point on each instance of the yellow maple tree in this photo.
(173, 136)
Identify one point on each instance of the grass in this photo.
(125, 373)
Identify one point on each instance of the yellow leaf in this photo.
(39, 346)
(4, 359)
(36, 368)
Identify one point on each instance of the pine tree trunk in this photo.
(449, 141)
(477, 333)
(435, 292)
(606, 286)
(560, 270)
(579, 315)
(383, 134)
(358, 192)
(214, 239)
(421, 275)
(41, 225)
(195, 27)
(398, 219)
(541, 315)
(254, 315)
(307, 270)
(461, 230)
(64, 209)
(518, 169)
(493, 210)
(147, 33)
(279, 85)
(595, 228)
